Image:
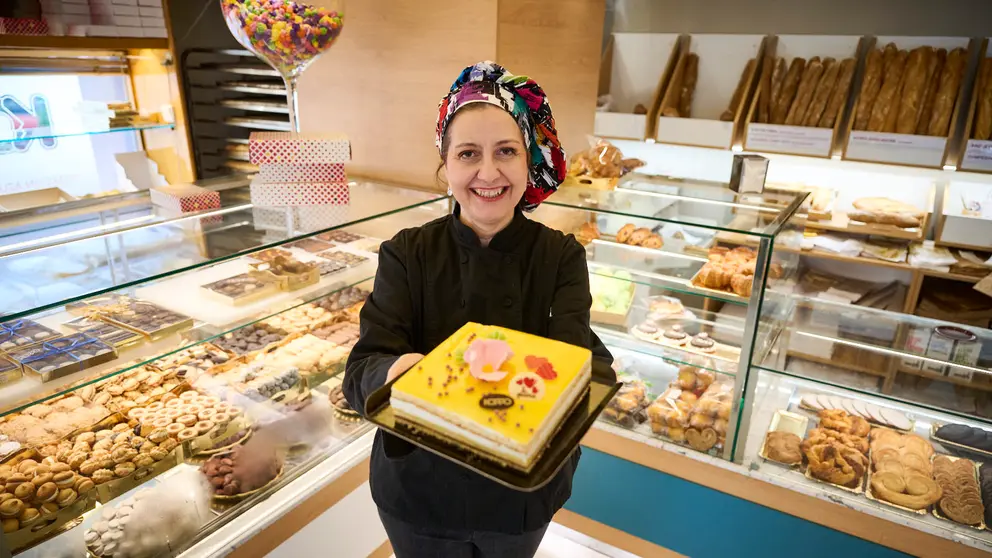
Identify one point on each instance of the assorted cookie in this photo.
(183, 417)
(248, 339)
(33, 491)
(300, 318)
(961, 495)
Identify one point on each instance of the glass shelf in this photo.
(37, 275)
(43, 133)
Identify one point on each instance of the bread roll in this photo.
(947, 93)
(934, 69)
(735, 100)
(778, 77)
(804, 93)
(870, 85)
(765, 88)
(913, 89)
(983, 117)
(839, 94)
(689, 84)
(790, 83)
(831, 69)
(887, 95)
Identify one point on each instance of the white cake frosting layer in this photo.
(488, 440)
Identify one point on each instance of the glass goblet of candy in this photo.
(288, 36)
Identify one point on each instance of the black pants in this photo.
(410, 541)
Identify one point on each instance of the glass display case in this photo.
(236, 337)
(688, 280)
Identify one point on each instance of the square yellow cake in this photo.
(498, 392)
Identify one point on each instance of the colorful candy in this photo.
(287, 35)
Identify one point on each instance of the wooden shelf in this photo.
(744, 240)
(70, 43)
(840, 223)
(951, 276)
(941, 378)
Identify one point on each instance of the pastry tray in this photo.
(785, 421)
(561, 445)
(869, 493)
(974, 451)
(936, 507)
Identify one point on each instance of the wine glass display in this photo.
(288, 36)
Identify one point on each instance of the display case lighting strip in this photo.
(892, 352)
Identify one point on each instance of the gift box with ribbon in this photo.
(19, 333)
(50, 360)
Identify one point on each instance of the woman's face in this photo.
(486, 165)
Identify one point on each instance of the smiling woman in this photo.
(484, 263)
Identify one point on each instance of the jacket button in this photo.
(464, 258)
(463, 303)
(507, 302)
(507, 260)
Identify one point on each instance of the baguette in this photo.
(670, 104)
(889, 54)
(689, 85)
(765, 85)
(887, 94)
(778, 78)
(839, 95)
(947, 93)
(831, 70)
(788, 92)
(913, 90)
(870, 85)
(934, 70)
(735, 101)
(983, 118)
(893, 111)
(804, 93)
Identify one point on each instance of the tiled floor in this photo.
(562, 542)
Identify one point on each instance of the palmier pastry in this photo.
(913, 491)
(623, 235)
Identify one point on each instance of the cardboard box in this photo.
(185, 198)
(35, 198)
(321, 172)
(299, 194)
(290, 148)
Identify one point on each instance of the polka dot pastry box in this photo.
(286, 148)
(55, 358)
(185, 198)
(284, 194)
(316, 172)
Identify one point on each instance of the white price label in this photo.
(789, 139)
(902, 149)
(978, 155)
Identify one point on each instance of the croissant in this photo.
(914, 491)
(741, 284)
(713, 276)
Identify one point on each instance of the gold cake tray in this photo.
(559, 448)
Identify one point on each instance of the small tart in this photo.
(676, 335)
(702, 342)
(187, 434)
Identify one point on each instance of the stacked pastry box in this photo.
(704, 102)
(181, 199)
(864, 448)
(911, 91)
(296, 169)
(803, 87)
(633, 72)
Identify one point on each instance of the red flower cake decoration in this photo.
(541, 366)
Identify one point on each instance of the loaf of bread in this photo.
(804, 93)
(870, 85)
(947, 93)
(839, 94)
(790, 83)
(889, 54)
(735, 100)
(765, 89)
(691, 73)
(914, 86)
(934, 69)
(887, 95)
(822, 94)
(982, 130)
(778, 78)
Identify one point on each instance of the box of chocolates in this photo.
(347, 258)
(10, 371)
(50, 360)
(317, 172)
(20, 333)
(287, 148)
(311, 245)
(299, 193)
(150, 320)
(340, 237)
(288, 273)
(116, 336)
(240, 289)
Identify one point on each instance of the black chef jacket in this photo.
(431, 281)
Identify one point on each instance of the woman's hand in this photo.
(402, 364)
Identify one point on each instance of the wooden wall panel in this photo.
(381, 82)
(558, 43)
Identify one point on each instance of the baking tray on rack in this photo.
(974, 451)
(562, 444)
(936, 507)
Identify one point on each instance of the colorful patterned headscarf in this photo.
(523, 98)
